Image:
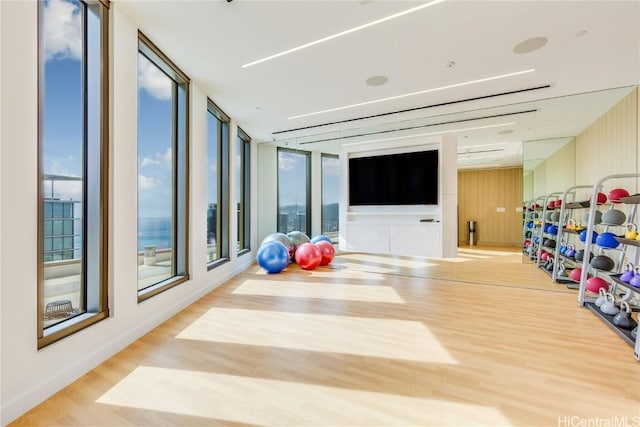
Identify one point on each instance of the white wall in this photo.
(30, 375)
(267, 190)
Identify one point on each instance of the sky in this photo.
(62, 128)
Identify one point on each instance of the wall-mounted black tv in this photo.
(394, 179)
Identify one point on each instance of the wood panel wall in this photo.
(556, 173)
(610, 146)
(480, 193)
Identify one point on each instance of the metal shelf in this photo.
(631, 200)
(616, 278)
(625, 334)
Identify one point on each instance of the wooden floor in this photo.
(483, 339)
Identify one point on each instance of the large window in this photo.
(294, 193)
(217, 185)
(330, 194)
(73, 167)
(162, 171)
(243, 182)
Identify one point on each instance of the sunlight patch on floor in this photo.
(260, 401)
(489, 252)
(363, 336)
(381, 259)
(335, 291)
(337, 271)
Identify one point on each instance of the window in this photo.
(162, 171)
(73, 135)
(243, 192)
(294, 193)
(330, 194)
(217, 185)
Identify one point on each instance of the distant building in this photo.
(61, 237)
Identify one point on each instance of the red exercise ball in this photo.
(327, 251)
(601, 198)
(617, 193)
(595, 283)
(308, 256)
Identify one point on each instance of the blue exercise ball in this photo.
(583, 236)
(321, 237)
(273, 256)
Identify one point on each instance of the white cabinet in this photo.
(400, 238)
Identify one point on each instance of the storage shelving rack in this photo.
(632, 291)
(568, 206)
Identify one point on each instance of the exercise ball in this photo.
(273, 256)
(282, 238)
(583, 236)
(607, 240)
(617, 193)
(308, 256)
(327, 250)
(321, 237)
(297, 239)
(600, 198)
(595, 283)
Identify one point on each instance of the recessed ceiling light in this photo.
(582, 33)
(391, 98)
(530, 45)
(450, 64)
(377, 80)
(344, 33)
(505, 132)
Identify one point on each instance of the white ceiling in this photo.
(211, 40)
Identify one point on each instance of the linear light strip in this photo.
(344, 33)
(427, 134)
(391, 98)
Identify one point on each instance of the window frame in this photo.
(307, 155)
(244, 217)
(222, 214)
(328, 233)
(180, 173)
(94, 295)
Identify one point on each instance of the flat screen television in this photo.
(394, 179)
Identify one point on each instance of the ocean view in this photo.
(154, 231)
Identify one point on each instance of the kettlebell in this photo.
(609, 306)
(553, 230)
(563, 247)
(607, 240)
(549, 265)
(547, 216)
(570, 252)
(562, 272)
(601, 298)
(614, 217)
(602, 262)
(632, 231)
(555, 217)
(578, 226)
(549, 243)
(623, 318)
(635, 280)
(634, 333)
(627, 275)
(597, 216)
(571, 224)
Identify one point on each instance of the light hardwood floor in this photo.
(483, 339)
